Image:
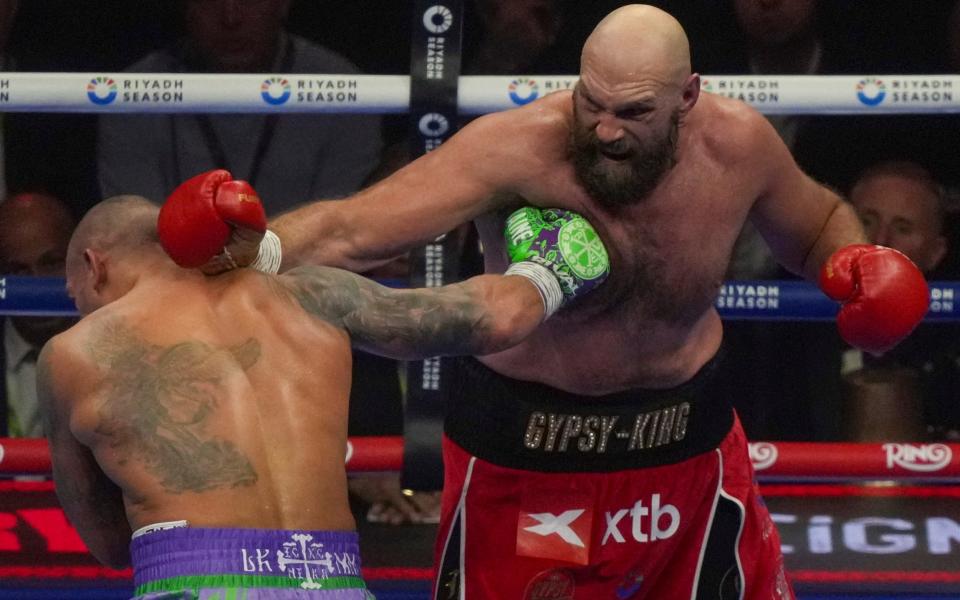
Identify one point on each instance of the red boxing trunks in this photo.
(647, 494)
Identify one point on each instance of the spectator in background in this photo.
(782, 36)
(898, 396)
(514, 36)
(781, 39)
(34, 231)
(289, 158)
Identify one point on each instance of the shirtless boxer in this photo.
(662, 503)
(209, 416)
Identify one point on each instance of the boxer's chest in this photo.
(669, 252)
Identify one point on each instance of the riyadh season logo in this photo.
(433, 125)
(275, 91)
(871, 91)
(437, 19)
(102, 90)
(523, 91)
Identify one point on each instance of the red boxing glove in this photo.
(883, 295)
(198, 218)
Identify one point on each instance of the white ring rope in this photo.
(478, 94)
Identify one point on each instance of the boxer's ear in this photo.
(96, 268)
(690, 93)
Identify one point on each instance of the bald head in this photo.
(637, 42)
(113, 246)
(634, 93)
(121, 223)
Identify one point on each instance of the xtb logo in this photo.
(561, 535)
(559, 524)
(646, 523)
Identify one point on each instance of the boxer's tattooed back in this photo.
(158, 405)
(399, 323)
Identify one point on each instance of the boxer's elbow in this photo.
(119, 560)
(112, 551)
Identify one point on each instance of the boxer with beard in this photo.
(627, 173)
(590, 461)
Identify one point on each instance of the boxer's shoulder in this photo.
(731, 129)
(550, 115)
(62, 364)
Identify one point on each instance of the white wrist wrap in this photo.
(545, 282)
(269, 256)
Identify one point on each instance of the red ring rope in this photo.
(26, 456)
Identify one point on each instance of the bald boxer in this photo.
(585, 462)
(207, 417)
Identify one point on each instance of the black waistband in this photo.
(531, 426)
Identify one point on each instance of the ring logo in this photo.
(762, 454)
(871, 91)
(523, 91)
(433, 125)
(102, 90)
(555, 584)
(562, 536)
(924, 458)
(275, 91)
(653, 531)
(349, 454)
(437, 19)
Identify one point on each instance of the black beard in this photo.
(626, 182)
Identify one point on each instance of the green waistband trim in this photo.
(239, 582)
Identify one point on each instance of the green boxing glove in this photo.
(559, 251)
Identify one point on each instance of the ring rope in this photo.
(477, 94)
(772, 300)
(771, 460)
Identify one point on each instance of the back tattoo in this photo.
(158, 402)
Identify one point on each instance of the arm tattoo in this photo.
(400, 323)
(159, 401)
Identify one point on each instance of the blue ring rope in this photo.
(767, 300)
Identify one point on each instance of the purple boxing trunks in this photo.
(247, 564)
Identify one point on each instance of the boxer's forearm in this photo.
(319, 233)
(416, 204)
(841, 228)
(482, 315)
(478, 316)
(95, 509)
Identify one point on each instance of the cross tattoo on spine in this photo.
(284, 560)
